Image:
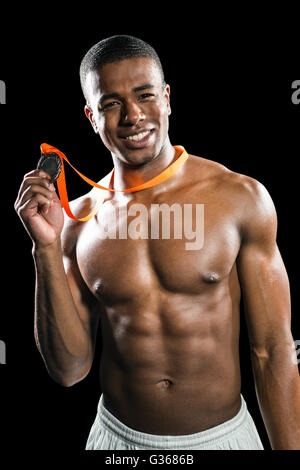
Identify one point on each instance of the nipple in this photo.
(211, 277)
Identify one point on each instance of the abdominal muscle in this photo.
(174, 377)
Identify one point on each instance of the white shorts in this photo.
(239, 433)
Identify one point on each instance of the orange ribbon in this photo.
(62, 188)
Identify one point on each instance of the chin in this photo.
(138, 158)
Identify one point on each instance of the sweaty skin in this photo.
(168, 317)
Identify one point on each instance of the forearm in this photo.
(278, 391)
(60, 335)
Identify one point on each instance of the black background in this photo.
(228, 104)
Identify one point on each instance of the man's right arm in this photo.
(64, 323)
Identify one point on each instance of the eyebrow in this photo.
(143, 87)
(109, 96)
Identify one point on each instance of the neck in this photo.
(126, 176)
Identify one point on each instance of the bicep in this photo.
(85, 303)
(263, 278)
(266, 295)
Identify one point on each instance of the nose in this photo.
(132, 114)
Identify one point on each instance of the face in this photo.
(129, 107)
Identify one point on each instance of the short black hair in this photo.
(115, 49)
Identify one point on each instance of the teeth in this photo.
(138, 137)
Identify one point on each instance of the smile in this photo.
(139, 136)
(139, 140)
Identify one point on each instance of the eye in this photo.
(109, 105)
(144, 96)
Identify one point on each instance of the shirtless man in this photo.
(168, 316)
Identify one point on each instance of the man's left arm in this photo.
(266, 295)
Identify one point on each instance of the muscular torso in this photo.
(169, 317)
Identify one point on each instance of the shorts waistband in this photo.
(216, 434)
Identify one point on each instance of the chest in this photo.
(180, 244)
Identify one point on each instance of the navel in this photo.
(164, 384)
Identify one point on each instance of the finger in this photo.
(30, 180)
(38, 201)
(37, 172)
(55, 197)
(37, 180)
(34, 189)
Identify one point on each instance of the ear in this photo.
(167, 91)
(89, 114)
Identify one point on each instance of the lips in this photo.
(139, 136)
(138, 139)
